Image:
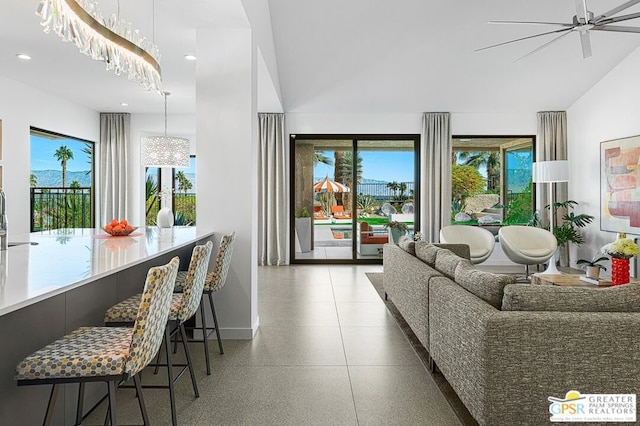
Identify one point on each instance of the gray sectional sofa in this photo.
(504, 347)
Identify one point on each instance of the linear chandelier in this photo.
(115, 42)
(165, 151)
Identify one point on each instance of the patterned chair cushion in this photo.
(181, 278)
(215, 279)
(622, 298)
(195, 281)
(86, 352)
(127, 310)
(485, 285)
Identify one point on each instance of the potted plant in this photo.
(396, 229)
(303, 229)
(621, 250)
(593, 266)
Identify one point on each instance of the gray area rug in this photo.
(458, 407)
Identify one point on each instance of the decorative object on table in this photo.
(621, 251)
(619, 185)
(593, 266)
(396, 229)
(551, 172)
(165, 151)
(113, 41)
(119, 228)
(165, 214)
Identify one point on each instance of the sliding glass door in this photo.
(345, 190)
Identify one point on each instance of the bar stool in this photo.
(214, 282)
(183, 306)
(105, 354)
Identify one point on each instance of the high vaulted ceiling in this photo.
(355, 56)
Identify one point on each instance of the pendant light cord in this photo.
(165, 114)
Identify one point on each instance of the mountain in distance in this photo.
(53, 178)
(363, 180)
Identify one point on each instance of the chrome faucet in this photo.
(3, 221)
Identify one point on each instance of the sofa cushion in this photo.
(461, 250)
(485, 285)
(407, 244)
(426, 252)
(525, 297)
(447, 262)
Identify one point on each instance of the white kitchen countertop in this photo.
(64, 259)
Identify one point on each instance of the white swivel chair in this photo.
(527, 245)
(480, 241)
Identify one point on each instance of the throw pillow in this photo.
(427, 252)
(407, 244)
(485, 285)
(447, 262)
(525, 297)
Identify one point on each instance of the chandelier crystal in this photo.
(165, 151)
(113, 41)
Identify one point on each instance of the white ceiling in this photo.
(339, 56)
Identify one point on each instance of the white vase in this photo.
(165, 218)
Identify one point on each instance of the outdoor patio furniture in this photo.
(338, 212)
(370, 242)
(318, 215)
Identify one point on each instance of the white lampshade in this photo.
(551, 171)
(165, 151)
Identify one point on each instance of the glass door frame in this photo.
(354, 139)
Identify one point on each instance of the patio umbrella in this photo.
(327, 185)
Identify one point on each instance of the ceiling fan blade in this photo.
(619, 18)
(581, 10)
(615, 10)
(525, 38)
(541, 47)
(585, 42)
(616, 28)
(557, 24)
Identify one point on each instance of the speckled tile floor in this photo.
(327, 353)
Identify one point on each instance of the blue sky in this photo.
(42, 150)
(387, 166)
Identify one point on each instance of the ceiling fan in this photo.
(584, 21)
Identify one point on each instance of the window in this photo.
(491, 180)
(61, 181)
(184, 194)
(152, 199)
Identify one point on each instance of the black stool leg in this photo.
(155, 370)
(183, 333)
(172, 397)
(48, 417)
(80, 408)
(143, 407)
(112, 402)
(215, 323)
(204, 335)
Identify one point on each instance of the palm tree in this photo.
(489, 159)
(184, 184)
(320, 157)
(33, 180)
(63, 154)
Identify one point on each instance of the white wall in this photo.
(22, 106)
(142, 125)
(610, 110)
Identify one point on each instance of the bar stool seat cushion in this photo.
(86, 352)
(126, 311)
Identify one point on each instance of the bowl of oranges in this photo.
(119, 228)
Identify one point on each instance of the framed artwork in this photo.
(620, 185)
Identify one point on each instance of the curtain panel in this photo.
(552, 145)
(436, 198)
(113, 174)
(272, 190)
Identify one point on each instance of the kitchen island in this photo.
(53, 282)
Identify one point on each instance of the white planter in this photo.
(593, 272)
(165, 218)
(303, 233)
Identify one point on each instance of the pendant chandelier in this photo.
(165, 151)
(114, 41)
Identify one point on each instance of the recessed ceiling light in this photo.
(190, 57)
(124, 104)
(23, 56)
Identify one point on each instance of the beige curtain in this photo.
(113, 175)
(436, 181)
(551, 145)
(272, 190)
